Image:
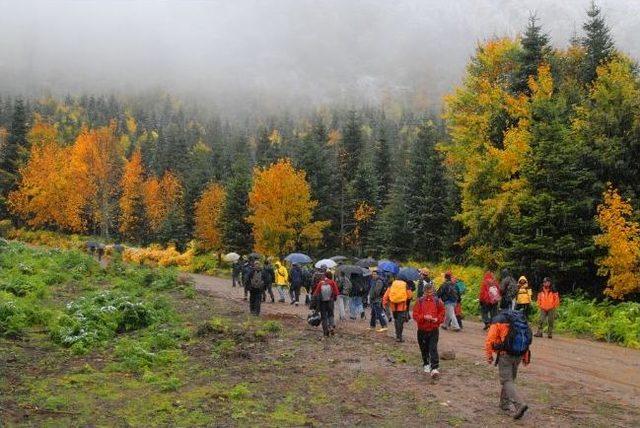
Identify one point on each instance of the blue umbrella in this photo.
(388, 266)
(298, 258)
(409, 274)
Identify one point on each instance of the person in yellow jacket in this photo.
(523, 297)
(282, 280)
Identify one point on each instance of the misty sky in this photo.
(270, 51)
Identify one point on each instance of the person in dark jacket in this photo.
(247, 268)
(268, 278)
(256, 288)
(425, 279)
(508, 290)
(307, 283)
(375, 298)
(296, 278)
(448, 294)
(236, 268)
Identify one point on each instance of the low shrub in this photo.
(155, 255)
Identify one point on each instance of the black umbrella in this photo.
(353, 270)
(338, 259)
(367, 263)
(254, 256)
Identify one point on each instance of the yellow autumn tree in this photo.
(161, 196)
(282, 209)
(621, 238)
(96, 162)
(47, 193)
(132, 212)
(208, 210)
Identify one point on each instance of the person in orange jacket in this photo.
(548, 301)
(400, 308)
(507, 364)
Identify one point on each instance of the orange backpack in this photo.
(398, 291)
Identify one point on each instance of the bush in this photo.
(5, 228)
(155, 255)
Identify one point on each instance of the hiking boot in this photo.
(382, 329)
(486, 327)
(281, 300)
(399, 339)
(362, 316)
(538, 334)
(427, 368)
(435, 374)
(445, 328)
(457, 330)
(520, 409)
(296, 303)
(550, 336)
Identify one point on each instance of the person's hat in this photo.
(522, 280)
(546, 278)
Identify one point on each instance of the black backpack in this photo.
(256, 282)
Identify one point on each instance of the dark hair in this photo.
(328, 274)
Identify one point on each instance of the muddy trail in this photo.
(581, 368)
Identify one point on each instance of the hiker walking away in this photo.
(282, 278)
(344, 288)
(489, 298)
(268, 277)
(508, 290)
(397, 297)
(428, 314)
(295, 278)
(461, 288)
(325, 293)
(256, 288)
(548, 301)
(236, 268)
(247, 268)
(355, 298)
(307, 283)
(448, 294)
(523, 297)
(509, 337)
(376, 293)
(425, 279)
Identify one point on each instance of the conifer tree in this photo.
(13, 153)
(597, 43)
(428, 199)
(535, 48)
(236, 230)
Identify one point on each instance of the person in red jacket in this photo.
(326, 292)
(489, 298)
(428, 313)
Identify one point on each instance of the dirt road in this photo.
(587, 367)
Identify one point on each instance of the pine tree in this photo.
(535, 48)
(597, 42)
(553, 234)
(351, 146)
(382, 166)
(428, 198)
(391, 236)
(236, 230)
(13, 153)
(363, 194)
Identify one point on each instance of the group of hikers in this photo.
(505, 306)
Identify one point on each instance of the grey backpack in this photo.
(326, 292)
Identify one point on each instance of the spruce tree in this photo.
(553, 235)
(13, 153)
(363, 195)
(428, 197)
(237, 234)
(382, 166)
(351, 146)
(535, 48)
(597, 42)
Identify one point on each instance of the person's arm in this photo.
(440, 309)
(417, 311)
(492, 337)
(556, 302)
(385, 298)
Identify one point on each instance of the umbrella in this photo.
(353, 270)
(231, 257)
(328, 263)
(409, 274)
(366, 263)
(338, 259)
(298, 258)
(254, 256)
(388, 266)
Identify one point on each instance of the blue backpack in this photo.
(519, 337)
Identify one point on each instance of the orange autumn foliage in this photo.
(208, 210)
(96, 161)
(47, 194)
(621, 238)
(160, 197)
(132, 216)
(281, 210)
